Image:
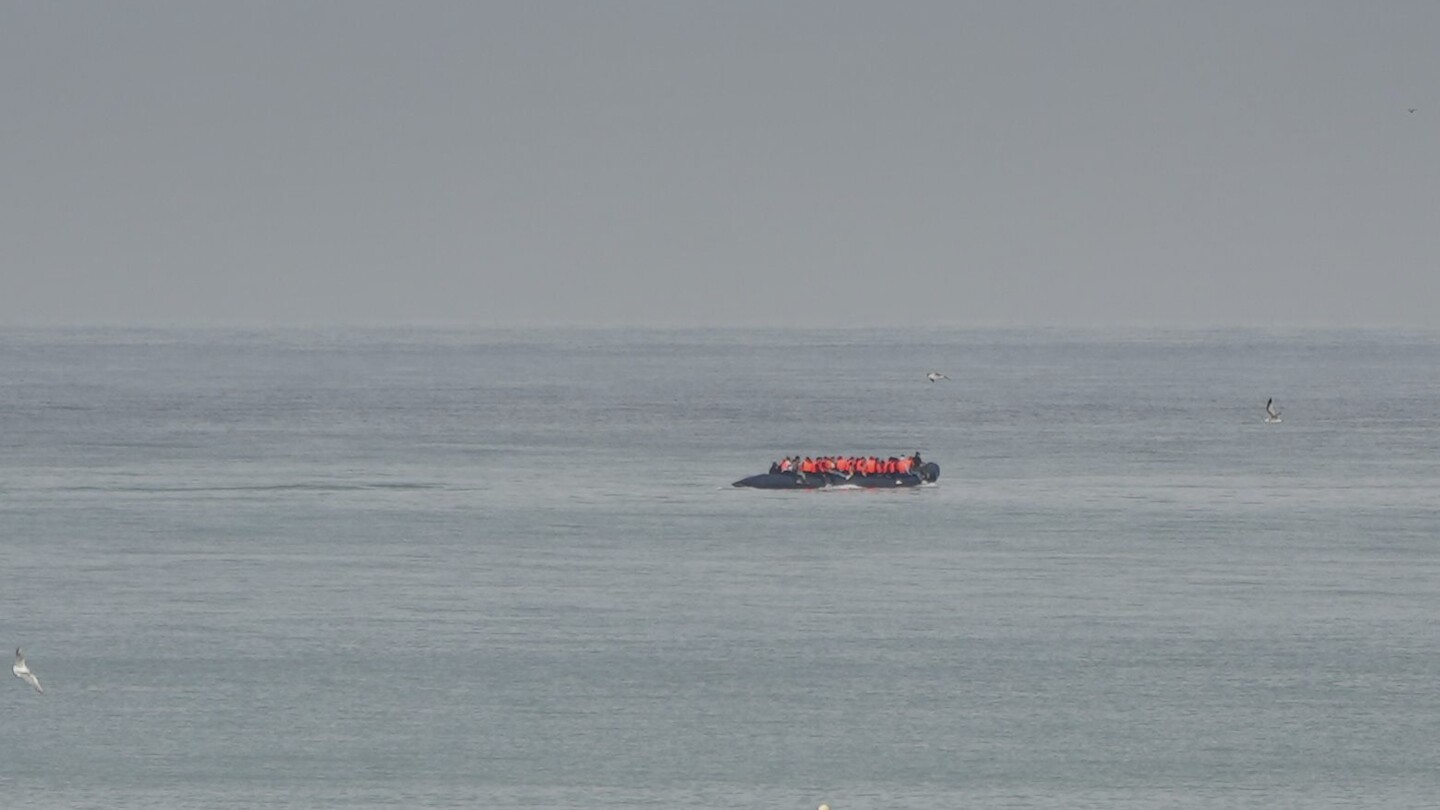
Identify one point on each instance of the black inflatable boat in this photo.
(926, 473)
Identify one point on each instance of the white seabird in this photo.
(1271, 415)
(23, 672)
(935, 375)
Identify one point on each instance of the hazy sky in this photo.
(748, 163)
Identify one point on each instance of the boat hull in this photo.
(930, 471)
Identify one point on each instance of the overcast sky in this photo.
(746, 163)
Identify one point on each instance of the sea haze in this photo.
(505, 569)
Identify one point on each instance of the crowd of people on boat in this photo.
(849, 465)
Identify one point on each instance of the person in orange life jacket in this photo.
(785, 465)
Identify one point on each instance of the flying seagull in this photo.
(935, 375)
(23, 672)
(1271, 415)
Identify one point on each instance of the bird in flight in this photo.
(1271, 415)
(935, 375)
(23, 672)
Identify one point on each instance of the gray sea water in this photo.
(505, 569)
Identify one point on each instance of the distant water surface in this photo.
(505, 569)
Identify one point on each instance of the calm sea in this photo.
(505, 569)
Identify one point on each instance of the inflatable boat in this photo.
(924, 474)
